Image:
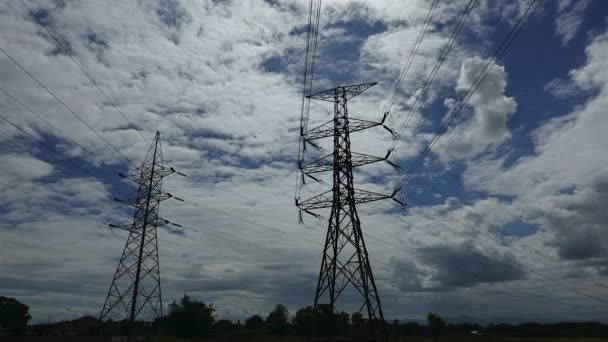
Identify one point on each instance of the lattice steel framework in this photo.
(136, 283)
(345, 258)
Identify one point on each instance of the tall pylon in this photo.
(136, 282)
(345, 260)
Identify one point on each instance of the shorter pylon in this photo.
(136, 282)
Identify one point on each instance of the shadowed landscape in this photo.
(303, 170)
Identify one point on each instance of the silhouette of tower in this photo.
(136, 283)
(345, 259)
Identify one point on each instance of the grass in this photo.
(414, 339)
(295, 339)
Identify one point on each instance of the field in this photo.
(404, 339)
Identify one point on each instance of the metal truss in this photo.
(345, 259)
(136, 284)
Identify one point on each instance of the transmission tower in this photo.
(345, 259)
(136, 283)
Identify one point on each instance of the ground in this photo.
(404, 339)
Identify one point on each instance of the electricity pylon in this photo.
(136, 283)
(345, 259)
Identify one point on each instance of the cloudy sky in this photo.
(508, 211)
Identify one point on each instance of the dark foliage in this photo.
(13, 314)
(436, 325)
(277, 320)
(304, 322)
(254, 322)
(189, 318)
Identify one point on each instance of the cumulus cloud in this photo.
(562, 186)
(445, 267)
(579, 220)
(491, 111)
(221, 81)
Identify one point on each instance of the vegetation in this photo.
(436, 325)
(189, 318)
(193, 321)
(13, 314)
(277, 320)
(254, 322)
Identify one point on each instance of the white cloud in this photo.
(199, 78)
(22, 168)
(562, 185)
(570, 16)
(491, 111)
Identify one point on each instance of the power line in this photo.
(256, 245)
(480, 278)
(82, 69)
(314, 14)
(250, 243)
(440, 60)
(407, 270)
(47, 147)
(60, 133)
(425, 215)
(29, 109)
(501, 50)
(406, 67)
(523, 245)
(65, 105)
(476, 242)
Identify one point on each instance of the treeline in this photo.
(190, 318)
(565, 329)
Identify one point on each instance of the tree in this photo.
(13, 314)
(304, 321)
(341, 323)
(254, 322)
(357, 319)
(189, 318)
(436, 324)
(277, 320)
(223, 327)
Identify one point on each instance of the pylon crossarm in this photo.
(326, 130)
(125, 227)
(325, 200)
(326, 163)
(320, 201)
(136, 202)
(348, 91)
(364, 196)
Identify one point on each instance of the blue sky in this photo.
(221, 81)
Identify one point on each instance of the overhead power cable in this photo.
(445, 50)
(65, 105)
(408, 64)
(527, 293)
(522, 245)
(501, 50)
(82, 69)
(29, 109)
(259, 246)
(473, 240)
(485, 280)
(314, 14)
(47, 147)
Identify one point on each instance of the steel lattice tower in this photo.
(136, 283)
(345, 259)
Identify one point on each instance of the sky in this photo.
(507, 212)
